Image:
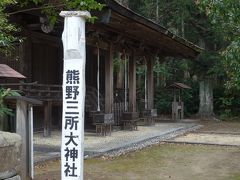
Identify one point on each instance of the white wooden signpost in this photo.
(72, 148)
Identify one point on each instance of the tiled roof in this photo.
(8, 72)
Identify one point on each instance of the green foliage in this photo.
(4, 110)
(226, 103)
(225, 17)
(117, 62)
(231, 63)
(140, 70)
(163, 100)
(162, 70)
(190, 97)
(209, 64)
(83, 5)
(6, 29)
(51, 9)
(172, 70)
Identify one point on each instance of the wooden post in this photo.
(22, 130)
(132, 84)
(150, 84)
(47, 118)
(74, 43)
(24, 127)
(109, 81)
(25, 56)
(30, 139)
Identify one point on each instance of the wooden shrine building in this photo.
(117, 29)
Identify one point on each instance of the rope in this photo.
(125, 80)
(98, 84)
(145, 83)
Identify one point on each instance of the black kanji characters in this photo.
(71, 139)
(71, 153)
(72, 77)
(71, 121)
(72, 92)
(70, 170)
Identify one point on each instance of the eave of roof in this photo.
(128, 13)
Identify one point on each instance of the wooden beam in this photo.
(21, 129)
(109, 81)
(37, 37)
(132, 83)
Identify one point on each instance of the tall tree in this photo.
(184, 18)
(225, 18)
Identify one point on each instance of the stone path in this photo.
(118, 142)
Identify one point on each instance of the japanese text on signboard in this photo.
(71, 121)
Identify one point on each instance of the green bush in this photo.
(4, 110)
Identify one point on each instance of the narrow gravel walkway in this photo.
(119, 142)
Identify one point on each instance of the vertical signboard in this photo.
(30, 139)
(72, 148)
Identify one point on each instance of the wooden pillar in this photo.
(26, 56)
(109, 81)
(150, 84)
(22, 130)
(47, 119)
(132, 84)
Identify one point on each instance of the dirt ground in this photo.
(164, 161)
(220, 127)
(215, 133)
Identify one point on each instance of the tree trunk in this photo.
(157, 11)
(206, 99)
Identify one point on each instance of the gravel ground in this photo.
(120, 142)
(213, 132)
(163, 161)
(201, 138)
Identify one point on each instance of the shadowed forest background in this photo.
(214, 75)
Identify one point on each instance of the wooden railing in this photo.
(118, 109)
(119, 105)
(35, 90)
(50, 92)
